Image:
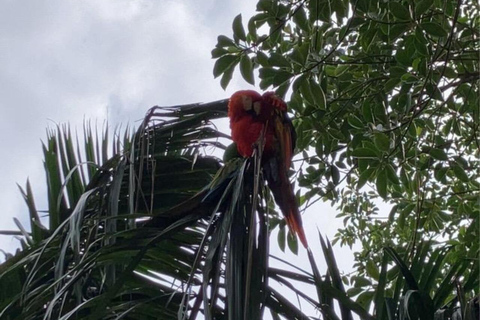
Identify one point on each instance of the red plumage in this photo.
(251, 113)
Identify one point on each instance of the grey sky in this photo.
(66, 61)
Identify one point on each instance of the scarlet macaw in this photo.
(252, 115)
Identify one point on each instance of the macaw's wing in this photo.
(285, 136)
(276, 169)
(282, 191)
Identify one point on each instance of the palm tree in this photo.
(144, 233)
(156, 229)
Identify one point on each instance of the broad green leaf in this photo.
(227, 75)
(399, 11)
(223, 63)
(246, 69)
(391, 174)
(438, 154)
(367, 112)
(364, 177)
(336, 134)
(397, 31)
(224, 41)
(421, 48)
(252, 28)
(365, 299)
(318, 95)
(278, 60)
(397, 71)
(434, 29)
(404, 102)
(264, 5)
(372, 270)
(368, 36)
(275, 34)
(382, 183)
(298, 55)
(434, 92)
(391, 84)
(292, 242)
(238, 29)
(281, 77)
(448, 72)
(381, 141)
(409, 78)
(460, 173)
(420, 36)
(360, 281)
(300, 19)
(341, 8)
(298, 83)
(306, 91)
(422, 6)
(267, 72)
(355, 122)
(281, 90)
(461, 162)
(354, 291)
(218, 52)
(262, 59)
(419, 64)
(440, 174)
(364, 153)
(330, 71)
(335, 175)
(404, 57)
(322, 10)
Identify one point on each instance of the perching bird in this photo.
(253, 116)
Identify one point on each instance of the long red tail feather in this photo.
(294, 222)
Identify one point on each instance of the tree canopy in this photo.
(386, 104)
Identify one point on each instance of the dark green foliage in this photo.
(385, 96)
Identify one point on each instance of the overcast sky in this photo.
(66, 61)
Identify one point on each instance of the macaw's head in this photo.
(243, 103)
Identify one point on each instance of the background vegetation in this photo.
(384, 97)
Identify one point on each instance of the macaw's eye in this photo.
(247, 103)
(257, 107)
